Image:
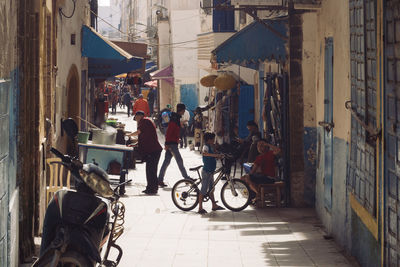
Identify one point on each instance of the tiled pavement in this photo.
(159, 234)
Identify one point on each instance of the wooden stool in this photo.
(276, 188)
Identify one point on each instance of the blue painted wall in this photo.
(310, 152)
(364, 245)
(341, 222)
(190, 96)
(8, 166)
(246, 108)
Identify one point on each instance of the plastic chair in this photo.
(57, 173)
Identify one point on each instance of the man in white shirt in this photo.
(184, 126)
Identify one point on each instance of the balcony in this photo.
(207, 42)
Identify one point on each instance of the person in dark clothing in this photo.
(150, 150)
(248, 146)
(171, 145)
(150, 100)
(127, 101)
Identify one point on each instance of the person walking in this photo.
(141, 104)
(150, 100)
(149, 148)
(171, 145)
(184, 128)
(114, 101)
(127, 101)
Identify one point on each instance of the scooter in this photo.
(80, 223)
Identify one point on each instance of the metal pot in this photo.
(103, 137)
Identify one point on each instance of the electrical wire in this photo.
(73, 10)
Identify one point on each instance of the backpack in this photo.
(165, 118)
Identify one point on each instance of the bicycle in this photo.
(185, 193)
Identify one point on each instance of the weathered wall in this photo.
(9, 194)
(69, 62)
(309, 98)
(164, 60)
(296, 112)
(184, 53)
(332, 20)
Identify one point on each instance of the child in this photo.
(207, 174)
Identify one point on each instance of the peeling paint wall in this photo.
(341, 222)
(332, 20)
(9, 193)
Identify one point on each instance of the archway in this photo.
(73, 95)
(73, 102)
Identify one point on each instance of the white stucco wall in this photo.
(184, 47)
(164, 53)
(68, 54)
(333, 21)
(308, 68)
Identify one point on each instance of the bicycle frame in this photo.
(222, 171)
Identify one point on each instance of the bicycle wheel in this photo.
(237, 197)
(185, 195)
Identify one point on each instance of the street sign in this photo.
(257, 2)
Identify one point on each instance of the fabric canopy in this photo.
(163, 73)
(151, 84)
(105, 58)
(166, 74)
(253, 44)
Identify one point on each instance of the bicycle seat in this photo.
(196, 168)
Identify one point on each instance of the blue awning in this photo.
(105, 58)
(254, 44)
(150, 66)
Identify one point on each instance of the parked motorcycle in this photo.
(80, 223)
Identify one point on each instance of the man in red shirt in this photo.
(263, 169)
(171, 145)
(142, 105)
(149, 148)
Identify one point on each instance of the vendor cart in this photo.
(102, 155)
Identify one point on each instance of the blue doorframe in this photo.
(328, 118)
(246, 108)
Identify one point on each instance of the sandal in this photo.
(218, 208)
(202, 211)
(254, 201)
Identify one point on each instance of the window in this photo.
(361, 173)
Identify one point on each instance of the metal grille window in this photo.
(361, 174)
(392, 131)
(207, 7)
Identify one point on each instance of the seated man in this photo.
(263, 169)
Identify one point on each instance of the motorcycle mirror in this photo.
(70, 127)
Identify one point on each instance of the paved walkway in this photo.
(159, 234)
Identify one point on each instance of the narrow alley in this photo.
(292, 106)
